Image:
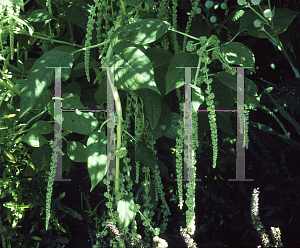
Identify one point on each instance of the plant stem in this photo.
(277, 40)
(235, 36)
(259, 15)
(57, 41)
(90, 47)
(174, 30)
(287, 56)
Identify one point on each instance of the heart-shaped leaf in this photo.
(96, 157)
(40, 76)
(136, 72)
(126, 211)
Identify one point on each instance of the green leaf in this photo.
(158, 56)
(249, 87)
(145, 155)
(126, 211)
(41, 159)
(40, 15)
(42, 127)
(34, 139)
(238, 54)
(101, 93)
(267, 129)
(81, 122)
(172, 131)
(78, 13)
(96, 157)
(136, 72)
(39, 77)
(141, 194)
(43, 101)
(141, 32)
(197, 97)
(76, 151)
(73, 87)
(164, 122)
(281, 21)
(223, 99)
(175, 77)
(152, 105)
(24, 22)
(36, 238)
(285, 114)
(92, 64)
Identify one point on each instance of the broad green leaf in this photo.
(197, 97)
(96, 157)
(92, 64)
(267, 129)
(44, 100)
(76, 151)
(281, 21)
(249, 87)
(42, 127)
(175, 77)
(101, 93)
(73, 87)
(34, 139)
(158, 56)
(126, 211)
(164, 122)
(160, 78)
(39, 77)
(238, 54)
(172, 131)
(141, 32)
(223, 101)
(145, 155)
(136, 72)
(41, 159)
(40, 15)
(78, 13)
(81, 122)
(152, 105)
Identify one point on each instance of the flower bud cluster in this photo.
(190, 47)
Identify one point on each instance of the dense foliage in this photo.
(139, 202)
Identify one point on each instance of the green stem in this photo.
(235, 36)
(198, 69)
(90, 47)
(284, 52)
(259, 15)
(45, 38)
(277, 40)
(123, 7)
(174, 30)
